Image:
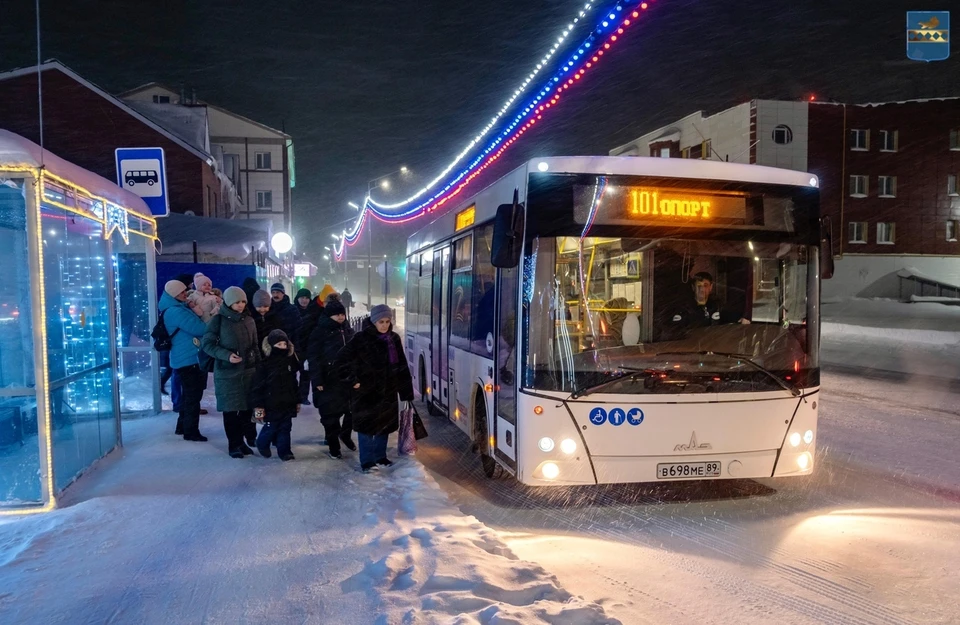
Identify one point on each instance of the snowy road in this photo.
(871, 538)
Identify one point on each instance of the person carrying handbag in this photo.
(375, 369)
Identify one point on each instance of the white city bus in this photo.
(590, 320)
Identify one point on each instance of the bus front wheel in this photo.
(490, 467)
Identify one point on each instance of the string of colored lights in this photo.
(612, 24)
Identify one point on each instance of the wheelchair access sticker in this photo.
(616, 416)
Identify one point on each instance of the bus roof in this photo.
(500, 192)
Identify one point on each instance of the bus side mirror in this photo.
(826, 249)
(507, 235)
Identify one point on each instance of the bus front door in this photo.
(440, 330)
(505, 380)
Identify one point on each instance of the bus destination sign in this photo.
(659, 205)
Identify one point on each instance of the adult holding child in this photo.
(231, 339)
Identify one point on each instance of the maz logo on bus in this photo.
(616, 416)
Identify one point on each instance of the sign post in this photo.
(143, 171)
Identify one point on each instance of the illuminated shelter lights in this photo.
(533, 111)
(39, 180)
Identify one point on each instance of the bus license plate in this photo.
(670, 470)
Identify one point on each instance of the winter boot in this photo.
(348, 443)
(195, 436)
(287, 457)
(384, 462)
(236, 453)
(246, 450)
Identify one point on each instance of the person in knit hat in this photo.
(374, 366)
(309, 311)
(261, 306)
(231, 339)
(283, 314)
(275, 395)
(203, 301)
(185, 330)
(330, 396)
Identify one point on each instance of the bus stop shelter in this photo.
(77, 302)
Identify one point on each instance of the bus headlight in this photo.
(551, 471)
(804, 460)
(795, 439)
(545, 444)
(808, 437)
(568, 446)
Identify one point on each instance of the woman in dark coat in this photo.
(231, 339)
(330, 396)
(374, 366)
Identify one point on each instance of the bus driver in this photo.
(702, 309)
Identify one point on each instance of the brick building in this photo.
(889, 174)
(84, 124)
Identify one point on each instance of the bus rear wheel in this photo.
(490, 467)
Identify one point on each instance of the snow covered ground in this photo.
(167, 531)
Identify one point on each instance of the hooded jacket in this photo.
(230, 332)
(365, 360)
(308, 321)
(275, 387)
(326, 341)
(189, 328)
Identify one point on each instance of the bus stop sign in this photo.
(143, 172)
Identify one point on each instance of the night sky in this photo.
(365, 87)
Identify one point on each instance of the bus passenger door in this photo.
(440, 331)
(505, 371)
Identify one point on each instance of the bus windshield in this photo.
(642, 315)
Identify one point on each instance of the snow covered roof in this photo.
(58, 66)
(875, 104)
(16, 151)
(226, 238)
(187, 122)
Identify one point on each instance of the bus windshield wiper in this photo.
(627, 373)
(793, 389)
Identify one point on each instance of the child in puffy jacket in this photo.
(202, 300)
(276, 394)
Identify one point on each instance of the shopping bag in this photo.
(419, 431)
(406, 440)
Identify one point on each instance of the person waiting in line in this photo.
(701, 308)
(329, 395)
(185, 329)
(275, 395)
(374, 366)
(261, 306)
(231, 339)
(283, 314)
(310, 311)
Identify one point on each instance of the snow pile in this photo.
(166, 531)
(442, 566)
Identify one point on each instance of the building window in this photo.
(264, 200)
(952, 230)
(859, 139)
(685, 153)
(161, 99)
(955, 139)
(263, 160)
(887, 186)
(858, 186)
(888, 140)
(952, 185)
(707, 149)
(886, 233)
(782, 134)
(858, 231)
(664, 152)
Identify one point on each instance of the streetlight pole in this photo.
(385, 185)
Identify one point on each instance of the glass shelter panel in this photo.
(75, 257)
(19, 444)
(133, 324)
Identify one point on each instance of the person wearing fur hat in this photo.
(231, 339)
(275, 395)
(374, 366)
(185, 330)
(329, 395)
(310, 312)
